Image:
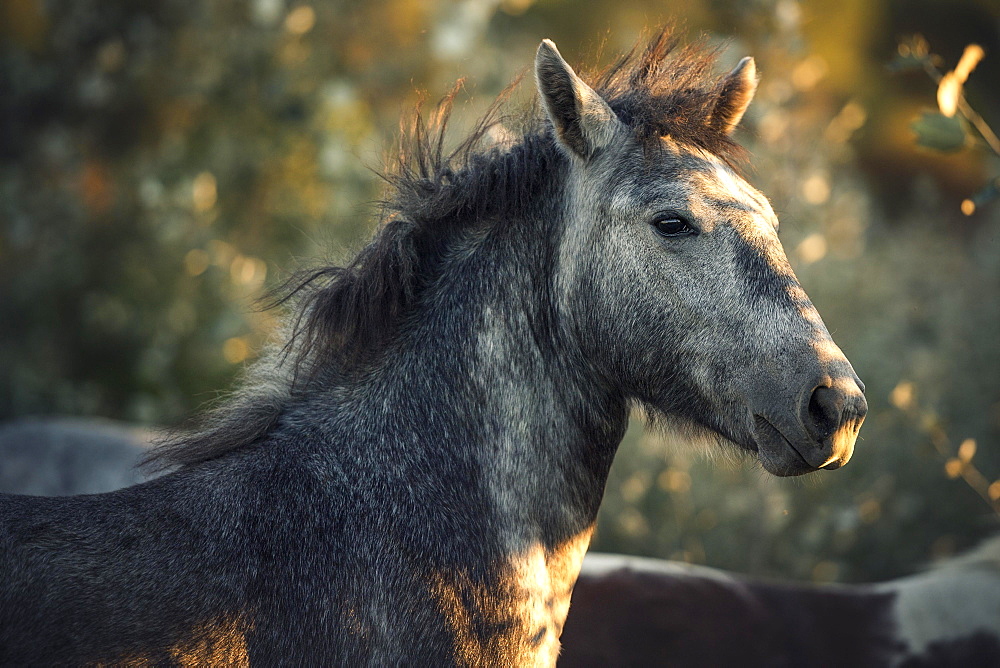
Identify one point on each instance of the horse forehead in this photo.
(712, 178)
(693, 174)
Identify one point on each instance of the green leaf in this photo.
(906, 63)
(938, 132)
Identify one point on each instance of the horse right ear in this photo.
(737, 90)
(583, 121)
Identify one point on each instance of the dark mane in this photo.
(669, 89)
(662, 89)
(346, 316)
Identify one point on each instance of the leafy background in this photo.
(161, 164)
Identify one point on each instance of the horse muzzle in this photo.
(819, 434)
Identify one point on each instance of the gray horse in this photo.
(413, 478)
(63, 456)
(634, 611)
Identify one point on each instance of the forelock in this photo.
(666, 89)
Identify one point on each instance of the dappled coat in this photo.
(413, 475)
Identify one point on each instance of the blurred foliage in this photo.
(956, 125)
(162, 163)
(939, 132)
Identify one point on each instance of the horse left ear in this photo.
(734, 97)
(583, 121)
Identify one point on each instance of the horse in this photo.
(634, 611)
(412, 475)
(64, 456)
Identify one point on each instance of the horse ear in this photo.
(736, 92)
(583, 121)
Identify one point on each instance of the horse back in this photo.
(258, 558)
(94, 577)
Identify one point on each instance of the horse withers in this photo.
(414, 476)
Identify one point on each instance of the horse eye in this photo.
(672, 225)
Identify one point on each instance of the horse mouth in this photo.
(777, 454)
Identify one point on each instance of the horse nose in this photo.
(832, 416)
(826, 405)
(830, 405)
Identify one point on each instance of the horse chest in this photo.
(515, 617)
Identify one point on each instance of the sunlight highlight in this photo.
(300, 20)
(528, 599)
(204, 192)
(812, 249)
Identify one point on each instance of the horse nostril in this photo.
(826, 405)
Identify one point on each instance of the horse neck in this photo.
(485, 371)
(482, 430)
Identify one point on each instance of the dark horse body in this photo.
(631, 611)
(634, 611)
(415, 478)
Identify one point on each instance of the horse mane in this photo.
(345, 316)
(669, 89)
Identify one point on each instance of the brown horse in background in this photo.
(631, 611)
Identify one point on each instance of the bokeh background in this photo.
(162, 164)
